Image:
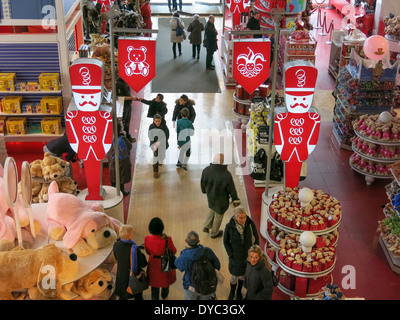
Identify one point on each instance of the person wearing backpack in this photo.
(125, 166)
(176, 39)
(199, 264)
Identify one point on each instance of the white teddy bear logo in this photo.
(137, 64)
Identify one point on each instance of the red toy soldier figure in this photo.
(89, 128)
(296, 131)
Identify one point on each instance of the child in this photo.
(184, 129)
(125, 167)
(158, 141)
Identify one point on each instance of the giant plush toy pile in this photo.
(77, 227)
(49, 169)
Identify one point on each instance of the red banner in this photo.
(251, 59)
(137, 61)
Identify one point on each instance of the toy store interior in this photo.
(326, 212)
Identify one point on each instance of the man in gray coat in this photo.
(217, 183)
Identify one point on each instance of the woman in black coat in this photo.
(122, 253)
(258, 277)
(240, 234)
(195, 28)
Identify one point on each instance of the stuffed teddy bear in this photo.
(93, 284)
(54, 171)
(68, 185)
(36, 169)
(44, 262)
(43, 196)
(82, 226)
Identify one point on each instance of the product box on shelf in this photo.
(7, 81)
(268, 5)
(3, 126)
(16, 125)
(49, 81)
(52, 105)
(51, 125)
(33, 86)
(11, 104)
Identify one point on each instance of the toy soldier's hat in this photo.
(87, 76)
(300, 77)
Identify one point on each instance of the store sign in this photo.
(137, 61)
(237, 6)
(105, 4)
(251, 60)
(296, 131)
(89, 123)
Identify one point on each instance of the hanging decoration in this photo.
(251, 60)
(376, 47)
(137, 61)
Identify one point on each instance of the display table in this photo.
(113, 204)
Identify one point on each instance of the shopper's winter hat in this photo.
(156, 226)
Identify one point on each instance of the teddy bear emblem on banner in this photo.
(296, 131)
(89, 124)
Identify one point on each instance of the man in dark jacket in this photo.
(157, 105)
(123, 90)
(158, 136)
(185, 261)
(210, 36)
(217, 183)
(240, 234)
(254, 23)
(182, 103)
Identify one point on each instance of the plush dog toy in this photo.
(93, 284)
(82, 226)
(47, 267)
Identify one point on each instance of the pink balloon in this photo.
(376, 47)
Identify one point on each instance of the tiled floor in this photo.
(328, 169)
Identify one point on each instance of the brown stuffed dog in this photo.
(93, 284)
(47, 267)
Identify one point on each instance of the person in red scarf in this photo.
(145, 11)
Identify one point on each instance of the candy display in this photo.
(392, 26)
(324, 211)
(372, 127)
(375, 150)
(370, 167)
(259, 117)
(389, 230)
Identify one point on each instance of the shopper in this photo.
(240, 234)
(156, 106)
(60, 146)
(181, 103)
(184, 130)
(154, 245)
(217, 183)
(254, 23)
(258, 278)
(195, 28)
(145, 11)
(125, 250)
(158, 136)
(195, 251)
(123, 90)
(174, 38)
(125, 166)
(210, 37)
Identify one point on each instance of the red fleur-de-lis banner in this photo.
(137, 61)
(251, 59)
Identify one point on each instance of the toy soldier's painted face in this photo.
(300, 82)
(87, 83)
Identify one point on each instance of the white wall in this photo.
(383, 8)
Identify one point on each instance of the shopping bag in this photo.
(258, 166)
(137, 285)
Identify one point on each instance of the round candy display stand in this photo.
(302, 271)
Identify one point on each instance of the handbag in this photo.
(205, 43)
(258, 166)
(136, 285)
(276, 168)
(179, 29)
(275, 281)
(168, 259)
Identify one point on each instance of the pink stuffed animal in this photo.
(82, 226)
(8, 233)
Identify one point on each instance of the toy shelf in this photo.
(32, 137)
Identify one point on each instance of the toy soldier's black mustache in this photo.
(88, 102)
